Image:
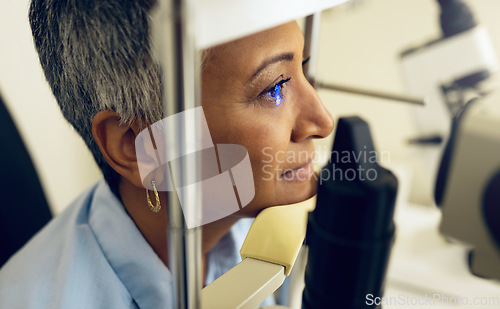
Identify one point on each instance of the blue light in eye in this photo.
(277, 95)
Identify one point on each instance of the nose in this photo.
(312, 119)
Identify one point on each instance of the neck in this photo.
(154, 226)
(213, 232)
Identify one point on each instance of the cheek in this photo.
(254, 128)
(264, 132)
(267, 147)
(265, 138)
(266, 141)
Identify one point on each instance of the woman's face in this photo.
(254, 94)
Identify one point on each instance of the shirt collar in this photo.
(138, 267)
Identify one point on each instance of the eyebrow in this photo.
(268, 62)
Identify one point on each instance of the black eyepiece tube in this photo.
(351, 230)
(456, 17)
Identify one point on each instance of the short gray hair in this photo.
(96, 55)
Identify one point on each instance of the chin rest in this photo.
(266, 260)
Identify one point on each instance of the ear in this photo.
(117, 144)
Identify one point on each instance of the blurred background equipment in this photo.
(468, 189)
(444, 70)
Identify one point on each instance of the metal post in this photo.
(174, 39)
(373, 93)
(311, 34)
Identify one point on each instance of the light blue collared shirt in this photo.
(92, 255)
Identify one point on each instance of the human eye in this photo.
(274, 93)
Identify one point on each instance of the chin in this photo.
(285, 194)
(297, 192)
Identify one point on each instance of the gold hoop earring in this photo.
(157, 207)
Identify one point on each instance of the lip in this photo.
(299, 174)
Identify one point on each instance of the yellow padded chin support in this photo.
(277, 234)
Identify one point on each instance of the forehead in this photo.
(245, 54)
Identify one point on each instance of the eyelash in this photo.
(275, 90)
